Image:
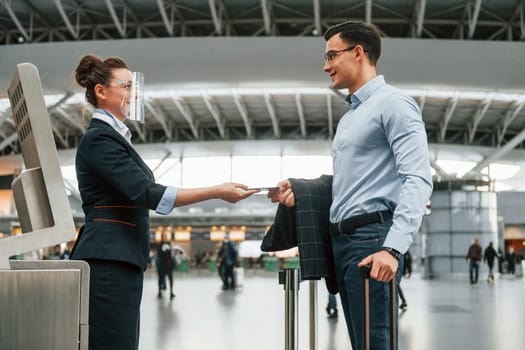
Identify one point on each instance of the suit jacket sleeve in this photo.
(110, 159)
(282, 234)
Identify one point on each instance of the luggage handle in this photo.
(365, 270)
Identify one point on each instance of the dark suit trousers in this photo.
(115, 292)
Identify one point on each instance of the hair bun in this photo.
(84, 69)
(92, 70)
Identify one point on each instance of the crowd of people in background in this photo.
(166, 257)
(58, 254)
(506, 262)
(225, 258)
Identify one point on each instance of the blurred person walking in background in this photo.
(489, 256)
(407, 264)
(227, 257)
(165, 262)
(511, 261)
(474, 255)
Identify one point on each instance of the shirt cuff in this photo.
(401, 242)
(167, 201)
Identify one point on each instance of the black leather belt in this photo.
(348, 226)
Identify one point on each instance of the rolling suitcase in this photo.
(366, 312)
(239, 277)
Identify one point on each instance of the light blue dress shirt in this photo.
(381, 161)
(167, 200)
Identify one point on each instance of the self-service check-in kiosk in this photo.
(43, 304)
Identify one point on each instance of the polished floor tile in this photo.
(441, 314)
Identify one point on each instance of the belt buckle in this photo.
(381, 218)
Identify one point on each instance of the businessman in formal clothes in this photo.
(118, 190)
(381, 179)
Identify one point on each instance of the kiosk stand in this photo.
(43, 304)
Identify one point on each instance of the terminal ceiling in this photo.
(221, 70)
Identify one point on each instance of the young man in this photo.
(381, 180)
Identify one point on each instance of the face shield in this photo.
(135, 92)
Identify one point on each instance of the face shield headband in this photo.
(135, 91)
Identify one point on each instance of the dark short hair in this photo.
(357, 32)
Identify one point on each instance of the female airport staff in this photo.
(118, 190)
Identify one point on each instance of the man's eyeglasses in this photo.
(330, 55)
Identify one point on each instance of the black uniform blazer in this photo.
(117, 190)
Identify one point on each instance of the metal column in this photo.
(313, 314)
(290, 279)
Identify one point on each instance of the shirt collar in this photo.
(114, 122)
(364, 92)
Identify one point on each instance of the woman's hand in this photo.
(233, 192)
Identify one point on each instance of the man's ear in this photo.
(360, 52)
(100, 92)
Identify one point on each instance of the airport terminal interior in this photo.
(234, 91)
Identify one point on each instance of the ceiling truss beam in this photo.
(243, 111)
(317, 18)
(160, 117)
(186, 114)
(14, 17)
(448, 115)
(509, 146)
(368, 12)
(266, 8)
(215, 113)
(273, 116)
(511, 114)
(139, 129)
(136, 28)
(74, 31)
(478, 115)
(71, 120)
(422, 100)
(216, 9)
(518, 13)
(168, 22)
(439, 170)
(121, 27)
(420, 13)
(300, 112)
(8, 140)
(61, 138)
(473, 11)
